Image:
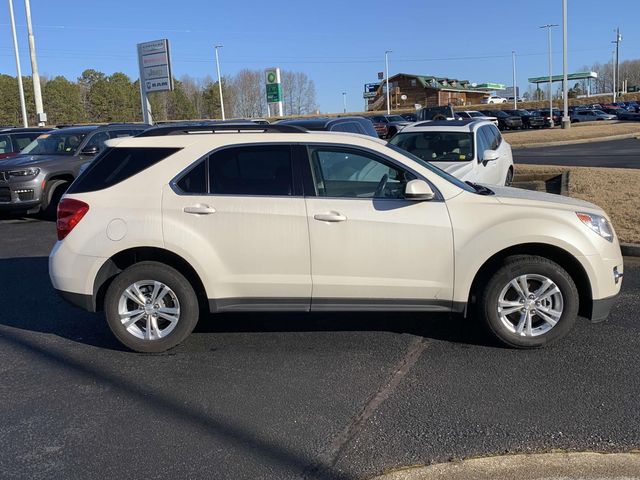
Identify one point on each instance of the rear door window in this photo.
(114, 165)
(5, 144)
(252, 170)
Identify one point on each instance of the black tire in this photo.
(53, 192)
(512, 268)
(509, 179)
(188, 301)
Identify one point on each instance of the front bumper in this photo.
(601, 308)
(24, 195)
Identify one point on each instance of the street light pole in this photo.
(515, 87)
(23, 108)
(344, 101)
(566, 121)
(216, 47)
(549, 26)
(386, 75)
(37, 93)
(616, 68)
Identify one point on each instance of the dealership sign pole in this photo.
(274, 90)
(155, 72)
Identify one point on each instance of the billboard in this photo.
(155, 66)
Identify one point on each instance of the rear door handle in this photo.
(330, 217)
(199, 209)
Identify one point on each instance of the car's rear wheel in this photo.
(151, 307)
(529, 302)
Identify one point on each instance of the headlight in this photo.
(598, 224)
(27, 172)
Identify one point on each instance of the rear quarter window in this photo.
(115, 165)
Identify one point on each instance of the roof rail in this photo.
(222, 128)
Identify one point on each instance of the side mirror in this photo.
(90, 150)
(490, 156)
(418, 190)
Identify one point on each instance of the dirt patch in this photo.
(616, 190)
(580, 131)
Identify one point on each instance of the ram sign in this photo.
(155, 66)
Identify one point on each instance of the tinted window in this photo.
(496, 136)
(434, 146)
(21, 140)
(115, 165)
(5, 144)
(484, 141)
(340, 172)
(97, 140)
(195, 181)
(349, 127)
(259, 170)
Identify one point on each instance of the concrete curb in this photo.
(630, 249)
(575, 142)
(546, 466)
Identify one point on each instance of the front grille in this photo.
(5, 194)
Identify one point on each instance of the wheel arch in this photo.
(126, 258)
(556, 254)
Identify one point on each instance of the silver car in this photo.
(590, 116)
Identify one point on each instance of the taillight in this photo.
(70, 212)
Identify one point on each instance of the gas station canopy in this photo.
(559, 78)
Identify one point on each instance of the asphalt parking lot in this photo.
(613, 154)
(289, 396)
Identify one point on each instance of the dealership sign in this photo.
(155, 66)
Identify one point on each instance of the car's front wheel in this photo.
(529, 302)
(509, 179)
(151, 307)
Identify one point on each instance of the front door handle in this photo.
(199, 209)
(330, 217)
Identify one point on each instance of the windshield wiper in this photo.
(480, 189)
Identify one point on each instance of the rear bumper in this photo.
(78, 300)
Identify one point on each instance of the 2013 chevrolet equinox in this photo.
(174, 222)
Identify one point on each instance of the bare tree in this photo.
(248, 91)
(299, 93)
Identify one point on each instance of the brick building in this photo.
(427, 91)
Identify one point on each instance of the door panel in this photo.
(235, 215)
(373, 248)
(383, 249)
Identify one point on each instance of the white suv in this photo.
(471, 150)
(181, 221)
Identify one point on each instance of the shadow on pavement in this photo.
(32, 304)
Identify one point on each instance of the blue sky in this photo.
(339, 44)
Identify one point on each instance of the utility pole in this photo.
(219, 80)
(515, 87)
(23, 108)
(566, 121)
(37, 93)
(344, 101)
(386, 75)
(613, 72)
(616, 70)
(549, 26)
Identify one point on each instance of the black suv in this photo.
(359, 125)
(505, 121)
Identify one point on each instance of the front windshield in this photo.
(59, 143)
(396, 118)
(441, 173)
(434, 146)
(475, 114)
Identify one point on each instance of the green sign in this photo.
(274, 92)
(271, 77)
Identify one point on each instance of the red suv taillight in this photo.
(70, 212)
